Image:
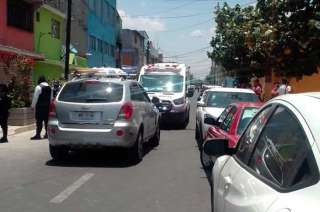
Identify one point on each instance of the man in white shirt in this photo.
(41, 103)
(284, 88)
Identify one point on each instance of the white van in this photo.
(168, 82)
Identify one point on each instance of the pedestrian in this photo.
(257, 88)
(55, 88)
(274, 91)
(5, 104)
(284, 88)
(41, 103)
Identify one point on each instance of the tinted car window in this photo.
(281, 148)
(246, 116)
(137, 94)
(91, 92)
(222, 99)
(228, 120)
(247, 141)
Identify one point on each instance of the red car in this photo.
(231, 123)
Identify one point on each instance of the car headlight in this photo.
(179, 101)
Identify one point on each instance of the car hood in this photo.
(215, 112)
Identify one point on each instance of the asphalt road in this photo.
(169, 179)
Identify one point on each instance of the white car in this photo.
(275, 167)
(213, 102)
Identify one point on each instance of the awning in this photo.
(26, 53)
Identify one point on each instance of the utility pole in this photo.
(68, 38)
(148, 51)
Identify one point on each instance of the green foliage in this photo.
(283, 36)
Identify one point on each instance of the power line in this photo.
(187, 53)
(166, 17)
(189, 26)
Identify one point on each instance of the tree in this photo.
(283, 36)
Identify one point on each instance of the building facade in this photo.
(16, 36)
(48, 40)
(95, 30)
(133, 48)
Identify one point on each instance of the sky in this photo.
(181, 29)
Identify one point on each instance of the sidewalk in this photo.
(14, 130)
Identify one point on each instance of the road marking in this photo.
(72, 188)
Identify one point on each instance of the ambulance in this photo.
(167, 82)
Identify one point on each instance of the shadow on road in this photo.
(104, 158)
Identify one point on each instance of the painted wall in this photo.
(101, 28)
(12, 36)
(44, 42)
(50, 71)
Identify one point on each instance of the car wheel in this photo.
(197, 133)
(155, 140)
(206, 160)
(59, 153)
(137, 151)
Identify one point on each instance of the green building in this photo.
(49, 41)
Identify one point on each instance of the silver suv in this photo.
(102, 113)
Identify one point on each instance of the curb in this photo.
(22, 129)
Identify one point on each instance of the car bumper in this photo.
(91, 138)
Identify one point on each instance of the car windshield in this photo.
(91, 92)
(160, 83)
(246, 117)
(223, 99)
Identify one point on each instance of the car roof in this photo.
(308, 105)
(114, 80)
(231, 90)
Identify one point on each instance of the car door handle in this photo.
(228, 183)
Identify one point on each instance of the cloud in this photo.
(196, 33)
(141, 23)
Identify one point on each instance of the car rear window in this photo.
(91, 92)
(223, 99)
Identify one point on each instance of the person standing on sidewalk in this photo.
(284, 88)
(257, 88)
(41, 103)
(5, 105)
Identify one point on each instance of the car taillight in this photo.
(52, 109)
(126, 111)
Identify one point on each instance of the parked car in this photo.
(214, 101)
(230, 125)
(102, 113)
(275, 167)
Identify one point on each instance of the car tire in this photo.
(197, 134)
(155, 140)
(58, 153)
(137, 151)
(206, 161)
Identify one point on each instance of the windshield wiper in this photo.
(96, 100)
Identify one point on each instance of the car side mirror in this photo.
(155, 101)
(201, 104)
(217, 147)
(211, 121)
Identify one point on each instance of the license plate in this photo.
(86, 116)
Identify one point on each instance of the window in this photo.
(55, 29)
(228, 120)
(92, 43)
(247, 141)
(37, 16)
(224, 114)
(97, 92)
(282, 150)
(136, 93)
(246, 116)
(20, 15)
(222, 99)
(100, 45)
